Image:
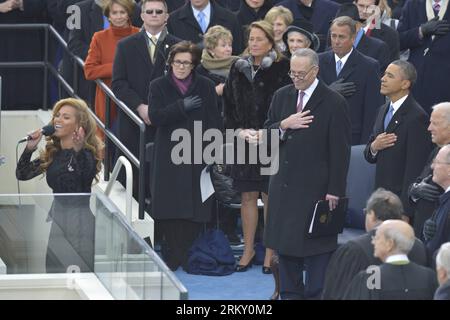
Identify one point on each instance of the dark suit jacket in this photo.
(132, 73)
(184, 25)
(354, 256)
(398, 282)
(398, 166)
(443, 292)
(442, 218)
(323, 13)
(430, 57)
(365, 102)
(391, 38)
(375, 48)
(319, 155)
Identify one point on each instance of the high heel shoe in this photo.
(243, 268)
(266, 270)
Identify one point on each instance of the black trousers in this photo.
(292, 286)
(177, 238)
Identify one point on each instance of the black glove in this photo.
(192, 102)
(436, 27)
(425, 191)
(429, 229)
(344, 88)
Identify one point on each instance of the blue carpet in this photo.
(250, 285)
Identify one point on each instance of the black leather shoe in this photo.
(266, 270)
(243, 268)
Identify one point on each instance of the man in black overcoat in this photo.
(314, 155)
(183, 22)
(400, 143)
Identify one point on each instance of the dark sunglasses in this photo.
(157, 11)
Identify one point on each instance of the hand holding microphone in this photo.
(34, 137)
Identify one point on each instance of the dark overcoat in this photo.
(175, 188)
(430, 57)
(313, 162)
(398, 166)
(365, 102)
(184, 25)
(133, 71)
(246, 103)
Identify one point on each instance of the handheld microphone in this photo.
(48, 130)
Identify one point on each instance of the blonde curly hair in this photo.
(84, 120)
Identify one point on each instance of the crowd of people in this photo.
(325, 75)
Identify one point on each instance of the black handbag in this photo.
(223, 184)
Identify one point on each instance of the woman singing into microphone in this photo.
(71, 160)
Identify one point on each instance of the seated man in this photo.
(397, 278)
(358, 254)
(443, 272)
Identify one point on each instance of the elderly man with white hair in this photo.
(443, 272)
(397, 278)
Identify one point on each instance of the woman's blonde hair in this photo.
(267, 28)
(384, 7)
(279, 11)
(214, 34)
(84, 120)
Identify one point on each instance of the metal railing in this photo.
(73, 92)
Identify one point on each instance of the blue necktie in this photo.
(338, 67)
(201, 21)
(388, 116)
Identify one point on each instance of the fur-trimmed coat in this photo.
(246, 103)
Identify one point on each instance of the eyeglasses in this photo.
(178, 63)
(300, 75)
(440, 162)
(157, 11)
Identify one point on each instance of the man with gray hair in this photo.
(358, 254)
(397, 278)
(424, 193)
(443, 273)
(314, 154)
(400, 143)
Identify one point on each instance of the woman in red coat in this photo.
(99, 61)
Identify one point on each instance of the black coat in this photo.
(398, 166)
(391, 38)
(443, 292)
(375, 48)
(442, 219)
(246, 104)
(398, 282)
(355, 256)
(247, 15)
(423, 209)
(133, 71)
(313, 162)
(184, 25)
(176, 188)
(365, 102)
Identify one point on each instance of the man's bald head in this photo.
(393, 237)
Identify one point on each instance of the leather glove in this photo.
(429, 229)
(425, 191)
(346, 89)
(435, 26)
(192, 102)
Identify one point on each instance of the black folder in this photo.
(324, 222)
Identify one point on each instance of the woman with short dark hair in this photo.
(181, 101)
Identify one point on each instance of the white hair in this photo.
(403, 244)
(443, 258)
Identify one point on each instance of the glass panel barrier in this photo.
(85, 234)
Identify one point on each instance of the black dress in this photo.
(71, 241)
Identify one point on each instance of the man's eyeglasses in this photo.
(440, 162)
(185, 64)
(157, 11)
(300, 75)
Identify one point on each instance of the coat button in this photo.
(289, 137)
(286, 162)
(261, 84)
(285, 185)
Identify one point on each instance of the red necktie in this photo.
(300, 101)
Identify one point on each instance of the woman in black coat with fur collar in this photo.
(252, 81)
